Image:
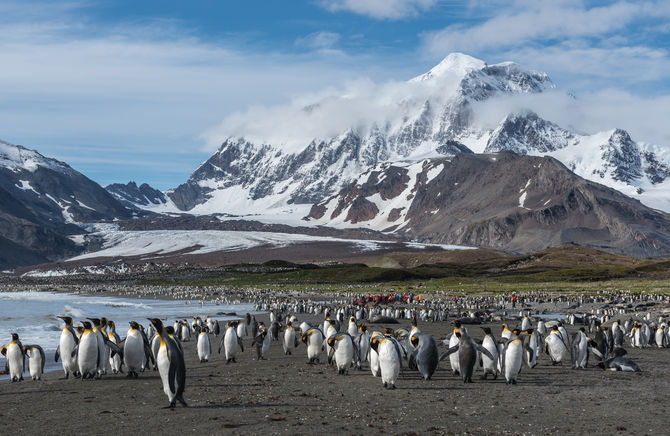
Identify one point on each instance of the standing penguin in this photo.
(274, 330)
(466, 351)
(262, 342)
(425, 356)
(204, 345)
(454, 339)
(170, 361)
(490, 366)
(343, 346)
(87, 351)
(313, 338)
(115, 361)
(36, 361)
(512, 358)
(353, 328)
(555, 346)
(389, 360)
(290, 339)
(231, 342)
(66, 345)
(134, 350)
(16, 358)
(374, 357)
(103, 352)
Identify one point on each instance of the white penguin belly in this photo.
(388, 362)
(164, 370)
(133, 352)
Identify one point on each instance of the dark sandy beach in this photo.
(286, 395)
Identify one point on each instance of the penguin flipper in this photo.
(597, 353)
(485, 352)
(75, 350)
(239, 342)
(57, 353)
(450, 351)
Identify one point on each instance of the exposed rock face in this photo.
(42, 199)
(318, 169)
(502, 201)
(132, 195)
(435, 116)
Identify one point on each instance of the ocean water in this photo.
(33, 315)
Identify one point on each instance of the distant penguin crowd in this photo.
(347, 338)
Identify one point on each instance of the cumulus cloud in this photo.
(380, 9)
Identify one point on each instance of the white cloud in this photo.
(536, 21)
(318, 40)
(380, 9)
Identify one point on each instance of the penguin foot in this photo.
(170, 406)
(386, 386)
(392, 387)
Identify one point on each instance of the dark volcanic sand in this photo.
(285, 395)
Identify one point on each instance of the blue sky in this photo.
(125, 90)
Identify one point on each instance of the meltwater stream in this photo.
(33, 315)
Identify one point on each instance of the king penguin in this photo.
(425, 356)
(170, 362)
(66, 345)
(36, 361)
(16, 358)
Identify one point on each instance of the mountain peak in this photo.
(455, 63)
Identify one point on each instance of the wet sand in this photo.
(285, 395)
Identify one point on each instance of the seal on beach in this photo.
(170, 362)
(66, 345)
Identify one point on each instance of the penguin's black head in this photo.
(389, 331)
(331, 341)
(96, 321)
(516, 331)
(457, 324)
(169, 330)
(103, 321)
(331, 321)
(415, 340)
(15, 337)
(375, 343)
(3, 351)
(111, 324)
(528, 331)
(458, 335)
(86, 324)
(363, 328)
(66, 319)
(487, 330)
(158, 324)
(134, 325)
(581, 329)
(554, 328)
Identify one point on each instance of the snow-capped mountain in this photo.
(42, 200)
(612, 157)
(432, 115)
(504, 201)
(143, 196)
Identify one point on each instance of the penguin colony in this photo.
(345, 340)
